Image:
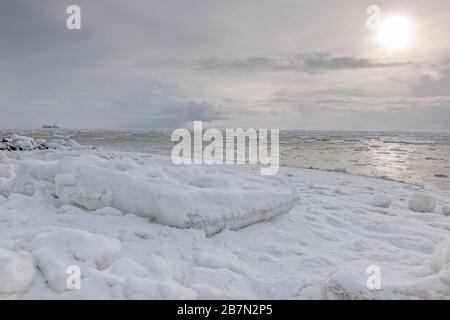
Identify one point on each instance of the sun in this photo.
(395, 33)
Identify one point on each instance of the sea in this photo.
(418, 158)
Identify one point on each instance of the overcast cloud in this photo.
(301, 64)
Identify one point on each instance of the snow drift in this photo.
(76, 207)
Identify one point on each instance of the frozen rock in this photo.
(421, 202)
(22, 143)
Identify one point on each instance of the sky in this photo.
(288, 64)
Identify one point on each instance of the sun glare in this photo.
(395, 33)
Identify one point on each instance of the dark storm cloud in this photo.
(299, 63)
(173, 114)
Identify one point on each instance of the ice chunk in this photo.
(440, 259)
(446, 210)
(6, 168)
(356, 281)
(184, 197)
(64, 180)
(16, 273)
(30, 176)
(381, 201)
(421, 202)
(55, 250)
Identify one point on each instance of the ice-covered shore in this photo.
(140, 227)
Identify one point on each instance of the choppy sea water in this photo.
(418, 158)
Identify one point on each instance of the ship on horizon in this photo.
(50, 126)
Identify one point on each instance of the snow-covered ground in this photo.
(140, 227)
